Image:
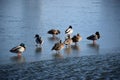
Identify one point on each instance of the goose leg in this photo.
(94, 42)
(19, 54)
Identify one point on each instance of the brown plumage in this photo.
(54, 32)
(58, 46)
(68, 41)
(76, 38)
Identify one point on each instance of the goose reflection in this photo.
(57, 55)
(18, 59)
(76, 47)
(94, 47)
(75, 50)
(53, 38)
(68, 50)
(38, 50)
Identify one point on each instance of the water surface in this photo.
(21, 20)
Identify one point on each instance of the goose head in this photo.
(98, 34)
(36, 36)
(22, 44)
(70, 26)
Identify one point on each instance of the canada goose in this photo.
(38, 40)
(54, 32)
(69, 30)
(58, 46)
(76, 38)
(68, 41)
(18, 49)
(94, 37)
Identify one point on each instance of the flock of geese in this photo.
(59, 45)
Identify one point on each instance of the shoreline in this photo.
(94, 67)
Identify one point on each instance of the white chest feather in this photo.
(69, 31)
(21, 49)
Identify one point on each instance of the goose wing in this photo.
(38, 40)
(91, 37)
(74, 38)
(51, 31)
(56, 46)
(15, 49)
(68, 30)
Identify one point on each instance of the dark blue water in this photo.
(20, 20)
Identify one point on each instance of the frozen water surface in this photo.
(20, 20)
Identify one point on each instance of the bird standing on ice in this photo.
(94, 37)
(68, 41)
(54, 32)
(58, 46)
(69, 30)
(38, 40)
(18, 49)
(76, 38)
